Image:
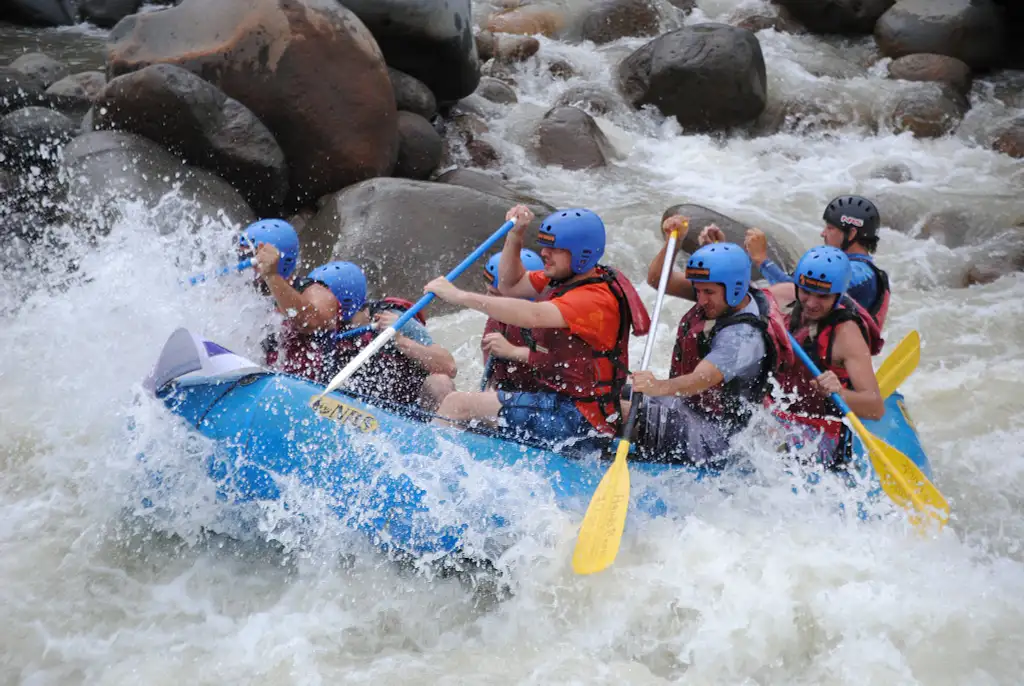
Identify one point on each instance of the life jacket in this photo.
(563, 363)
(389, 375)
(729, 403)
(293, 351)
(493, 326)
(819, 348)
(879, 309)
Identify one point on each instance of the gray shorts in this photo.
(669, 430)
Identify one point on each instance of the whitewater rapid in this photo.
(757, 586)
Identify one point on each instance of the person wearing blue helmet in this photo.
(851, 225)
(727, 348)
(315, 308)
(563, 387)
(499, 339)
(840, 336)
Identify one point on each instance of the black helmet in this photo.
(853, 212)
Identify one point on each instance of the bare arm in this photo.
(865, 399)
(434, 358)
(678, 285)
(314, 309)
(513, 311)
(705, 376)
(513, 280)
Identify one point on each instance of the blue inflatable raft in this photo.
(408, 484)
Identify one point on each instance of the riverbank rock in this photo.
(995, 263)
(369, 222)
(529, 20)
(18, 90)
(850, 17)
(931, 112)
(196, 120)
(780, 250)
(106, 169)
(106, 13)
(929, 67)
(43, 68)
(75, 94)
(969, 30)
(493, 185)
(506, 47)
(40, 12)
(1009, 138)
(336, 126)
(34, 136)
(497, 91)
(610, 20)
(431, 40)
(419, 147)
(760, 18)
(570, 138)
(711, 77)
(595, 100)
(411, 94)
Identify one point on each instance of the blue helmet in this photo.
(823, 270)
(279, 234)
(346, 281)
(579, 231)
(530, 259)
(724, 263)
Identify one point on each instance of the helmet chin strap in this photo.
(847, 239)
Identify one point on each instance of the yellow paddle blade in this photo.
(601, 530)
(902, 480)
(900, 364)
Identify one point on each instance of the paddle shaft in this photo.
(381, 340)
(865, 436)
(241, 266)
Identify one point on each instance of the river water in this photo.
(756, 586)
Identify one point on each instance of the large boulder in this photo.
(40, 12)
(492, 185)
(412, 95)
(496, 91)
(43, 68)
(969, 30)
(404, 233)
(429, 39)
(570, 138)
(929, 112)
(928, 67)
(506, 47)
(781, 250)
(837, 16)
(529, 20)
(75, 94)
(593, 99)
(34, 136)
(106, 170)
(196, 120)
(336, 125)
(1009, 138)
(419, 147)
(106, 13)
(711, 77)
(610, 20)
(19, 90)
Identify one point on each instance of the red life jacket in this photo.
(309, 355)
(389, 375)
(819, 348)
(880, 308)
(563, 363)
(729, 403)
(492, 326)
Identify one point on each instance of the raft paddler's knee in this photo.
(462, 406)
(435, 389)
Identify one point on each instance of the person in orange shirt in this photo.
(564, 385)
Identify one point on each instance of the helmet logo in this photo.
(697, 273)
(852, 221)
(815, 284)
(545, 238)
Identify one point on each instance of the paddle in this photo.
(601, 530)
(241, 266)
(389, 333)
(488, 368)
(900, 478)
(900, 364)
